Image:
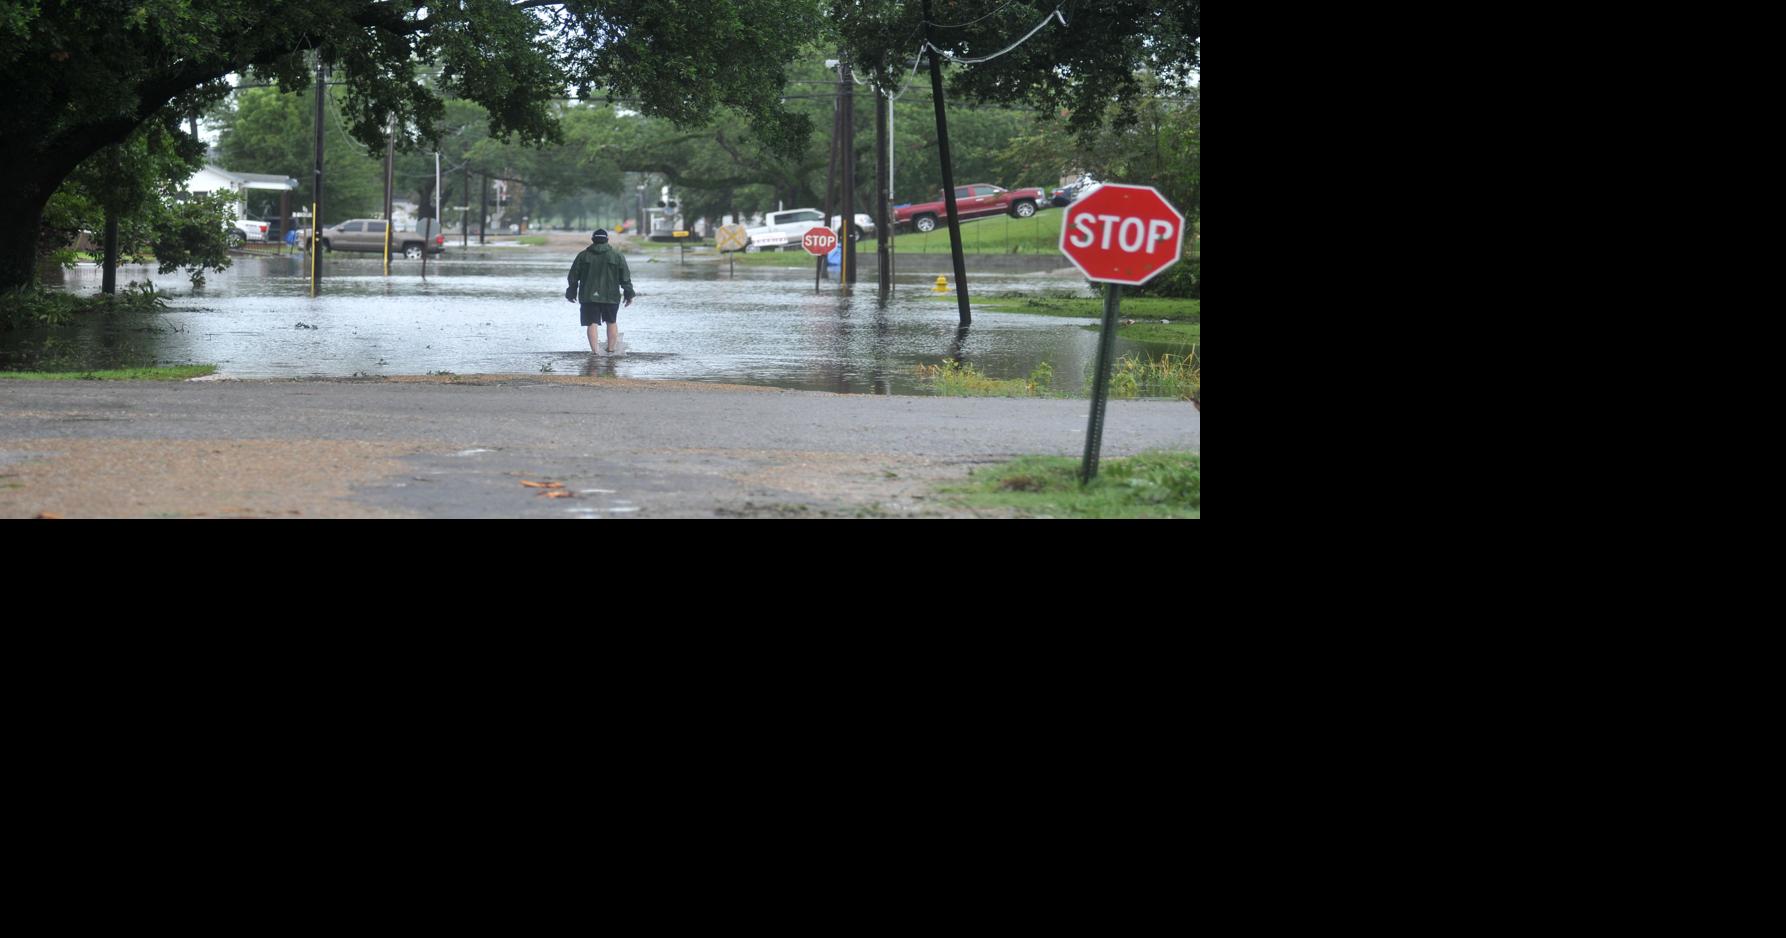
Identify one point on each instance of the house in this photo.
(214, 178)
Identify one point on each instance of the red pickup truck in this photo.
(972, 202)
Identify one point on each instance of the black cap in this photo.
(601, 234)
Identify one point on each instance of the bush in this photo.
(37, 308)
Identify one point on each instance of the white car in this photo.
(783, 230)
(247, 229)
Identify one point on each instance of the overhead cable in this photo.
(961, 61)
(988, 16)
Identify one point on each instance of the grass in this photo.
(1175, 376)
(176, 373)
(1183, 326)
(954, 379)
(994, 234)
(533, 241)
(1150, 485)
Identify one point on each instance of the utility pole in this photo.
(390, 149)
(465, 213)
(942, 139)
(882, 229)
(829, 205)
(847, 153)
(483, 205)
(316, 190)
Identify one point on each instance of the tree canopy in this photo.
(85, 74)
(1097, 58)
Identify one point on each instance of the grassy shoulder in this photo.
(177, 373)
(1150, 485)
(1139, 317)
(995, 234)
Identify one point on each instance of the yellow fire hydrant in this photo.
(942, 285)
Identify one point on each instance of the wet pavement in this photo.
(468, 448)
(504, 313)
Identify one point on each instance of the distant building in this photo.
(214, 178)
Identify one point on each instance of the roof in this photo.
(254, 180)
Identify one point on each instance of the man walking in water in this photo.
(599, 275)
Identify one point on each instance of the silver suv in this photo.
(368, 234)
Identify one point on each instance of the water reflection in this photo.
(693, 321)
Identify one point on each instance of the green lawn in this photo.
(179, 373)
(997, 234)
(1150, 485)
(1184, 317)
(994, 234)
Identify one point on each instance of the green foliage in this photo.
(190, 233)
(32, 308)
(957, 379)
(1175, 376)
(1157, 142)
(1148, 485)
(1094, 62)
(85, 74)
(267, 131)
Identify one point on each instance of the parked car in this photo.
(972, 201)
(368, 234)
(1075, 190)
(245, 230)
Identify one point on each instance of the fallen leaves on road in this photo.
(559, 494)
(542, 485)
(49, 516)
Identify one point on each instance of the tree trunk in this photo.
(22, 206)
(109, 279)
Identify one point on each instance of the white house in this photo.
(214, 178)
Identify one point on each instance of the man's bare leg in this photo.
(595, 334)
(613, 337)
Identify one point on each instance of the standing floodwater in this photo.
(507, 314)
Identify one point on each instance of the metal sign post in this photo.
(731, 239)
(1117, 235)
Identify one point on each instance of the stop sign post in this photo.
(1119, 235)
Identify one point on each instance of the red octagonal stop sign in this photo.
(1122, 234)
(819, 241)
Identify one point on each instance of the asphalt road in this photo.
(465, 447)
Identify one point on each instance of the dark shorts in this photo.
(600, 312)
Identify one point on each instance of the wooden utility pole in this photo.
(847, 153)
(829, 205)
(942, 139)
(465, 213)
(316, 202)
(390, 150)
(883, 230)
(483, 205)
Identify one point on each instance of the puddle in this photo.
(761, 326)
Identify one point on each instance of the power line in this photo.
(961, 61)
(972, 22)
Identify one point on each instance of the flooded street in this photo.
(504, 312)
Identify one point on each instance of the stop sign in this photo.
(1122, 234)
(819, 241)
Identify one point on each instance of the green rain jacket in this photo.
(601, 274)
